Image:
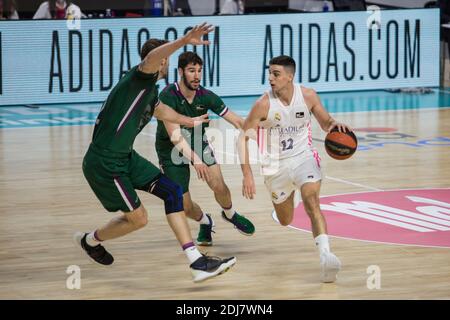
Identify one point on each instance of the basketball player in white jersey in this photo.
(280, 121)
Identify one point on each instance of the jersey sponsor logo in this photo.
(290, 130)
(407, 217)
(200, 107)
(299, 115)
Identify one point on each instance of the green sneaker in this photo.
(241, 223)
(204, 237)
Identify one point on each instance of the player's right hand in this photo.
(248, 187)
(202, 171)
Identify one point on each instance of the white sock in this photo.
(322, 243)
(229, 212)
(204, 219)
(191, 252)
(92, 239)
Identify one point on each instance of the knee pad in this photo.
(170, 192)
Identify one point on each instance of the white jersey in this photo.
(286, 133)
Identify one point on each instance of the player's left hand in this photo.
(202, 171)
(199, 120)
(195, 35)
(248, 187)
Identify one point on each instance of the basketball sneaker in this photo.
(241, 223)
(97, 253)
(330, 266)
(204, 237)
(207, 267)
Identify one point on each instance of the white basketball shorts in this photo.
(292, 174)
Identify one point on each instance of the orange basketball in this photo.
(340, 145)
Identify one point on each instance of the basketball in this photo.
(340, 145)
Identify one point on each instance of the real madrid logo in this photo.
(277, 116)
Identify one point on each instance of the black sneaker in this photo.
(97, 253)
(207, 267)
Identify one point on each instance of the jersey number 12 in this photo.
(287, 144)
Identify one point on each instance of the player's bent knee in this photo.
(170, 192)
(310, 197)
(188, 209)
(138, 217)
(219, 187)
(285, 221)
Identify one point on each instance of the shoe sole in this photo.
(221, 270)
(329, 273)
(204, 244)
(77, 240)
(240, 231)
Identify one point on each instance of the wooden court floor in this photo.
(44, 199)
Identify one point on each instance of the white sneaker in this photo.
(330, 266)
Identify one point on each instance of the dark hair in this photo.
(8, 7)
(149, 45)
(189, 57)
(52, 7)
(284, 61)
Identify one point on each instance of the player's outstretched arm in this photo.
(152, 61)
(166, 113)
(257, 114)
(234, 119)
(326, 121)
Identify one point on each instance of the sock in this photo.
(92, 239)
(322, 243)
(204, 219)
(229, 212)
(191, 251)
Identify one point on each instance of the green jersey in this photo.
(126, 111)
(204, 100)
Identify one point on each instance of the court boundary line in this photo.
(354, 184)
(392, 110)
(218, 118)
(444, 91)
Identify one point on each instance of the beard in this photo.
(189, 85)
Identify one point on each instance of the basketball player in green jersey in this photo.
(187, 97)
(114, 170)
